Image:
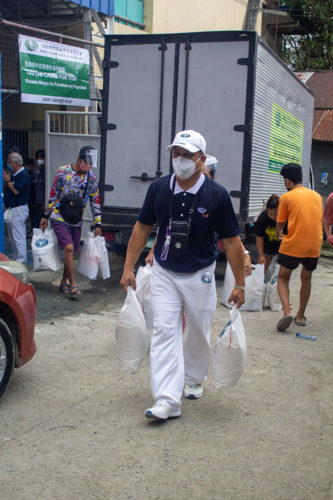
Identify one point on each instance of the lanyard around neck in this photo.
(171, 204)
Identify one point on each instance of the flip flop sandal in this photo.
(72, 293)
(300, 323)
(64, 288)
(285, 322)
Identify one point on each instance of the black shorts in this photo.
(309, 263)
(269, 251)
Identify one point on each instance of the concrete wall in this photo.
(20, 115)
(173, 16)
(177, 16)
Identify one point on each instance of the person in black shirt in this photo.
(267, 241)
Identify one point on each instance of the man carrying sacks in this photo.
(189, 208)
(72, 186)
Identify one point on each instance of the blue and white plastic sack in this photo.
(143, 294)
(229, 356)
(271, 268)
(254, 288)
(131, 334)
(45, 250)
(274, 301)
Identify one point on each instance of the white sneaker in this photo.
(193, 391)
(161, 412)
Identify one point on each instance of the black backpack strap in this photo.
(86, 188)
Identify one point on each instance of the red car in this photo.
(18, 308)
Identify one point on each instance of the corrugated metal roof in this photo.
(22, 10)
(104, 6)
(323, 125)
(321, 82)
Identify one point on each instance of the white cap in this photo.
(190, 140)
(211, 162)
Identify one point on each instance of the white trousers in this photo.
(170, 365)
(17, 233)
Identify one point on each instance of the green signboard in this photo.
(286, 141)
(53, 73)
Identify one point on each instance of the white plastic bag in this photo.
(229, 356)
(273, 294)
(131, 334)
(103, 256)
(88, 263)
(45, 251)
(143, 294)
(254, 288)
(8, 216)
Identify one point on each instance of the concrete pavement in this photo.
(73, 426)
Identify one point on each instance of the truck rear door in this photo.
(157, 85)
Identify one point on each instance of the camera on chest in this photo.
(179, 233)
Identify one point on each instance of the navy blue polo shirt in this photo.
(213, 213)
(21, 183)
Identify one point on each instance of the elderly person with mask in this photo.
(188, 208)
(72, 187)
(16, 197)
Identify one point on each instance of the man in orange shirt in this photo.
(303, 209)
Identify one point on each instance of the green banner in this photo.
(53, 73)
(286, 141)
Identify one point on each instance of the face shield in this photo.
(210, 163)
(90, 157)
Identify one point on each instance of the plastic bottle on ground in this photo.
(303, 336)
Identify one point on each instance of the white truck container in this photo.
(254, 113)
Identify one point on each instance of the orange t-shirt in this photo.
(303, 209)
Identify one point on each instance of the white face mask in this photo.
(184, 167)
(40, 162)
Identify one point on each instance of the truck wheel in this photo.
(6, 356)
